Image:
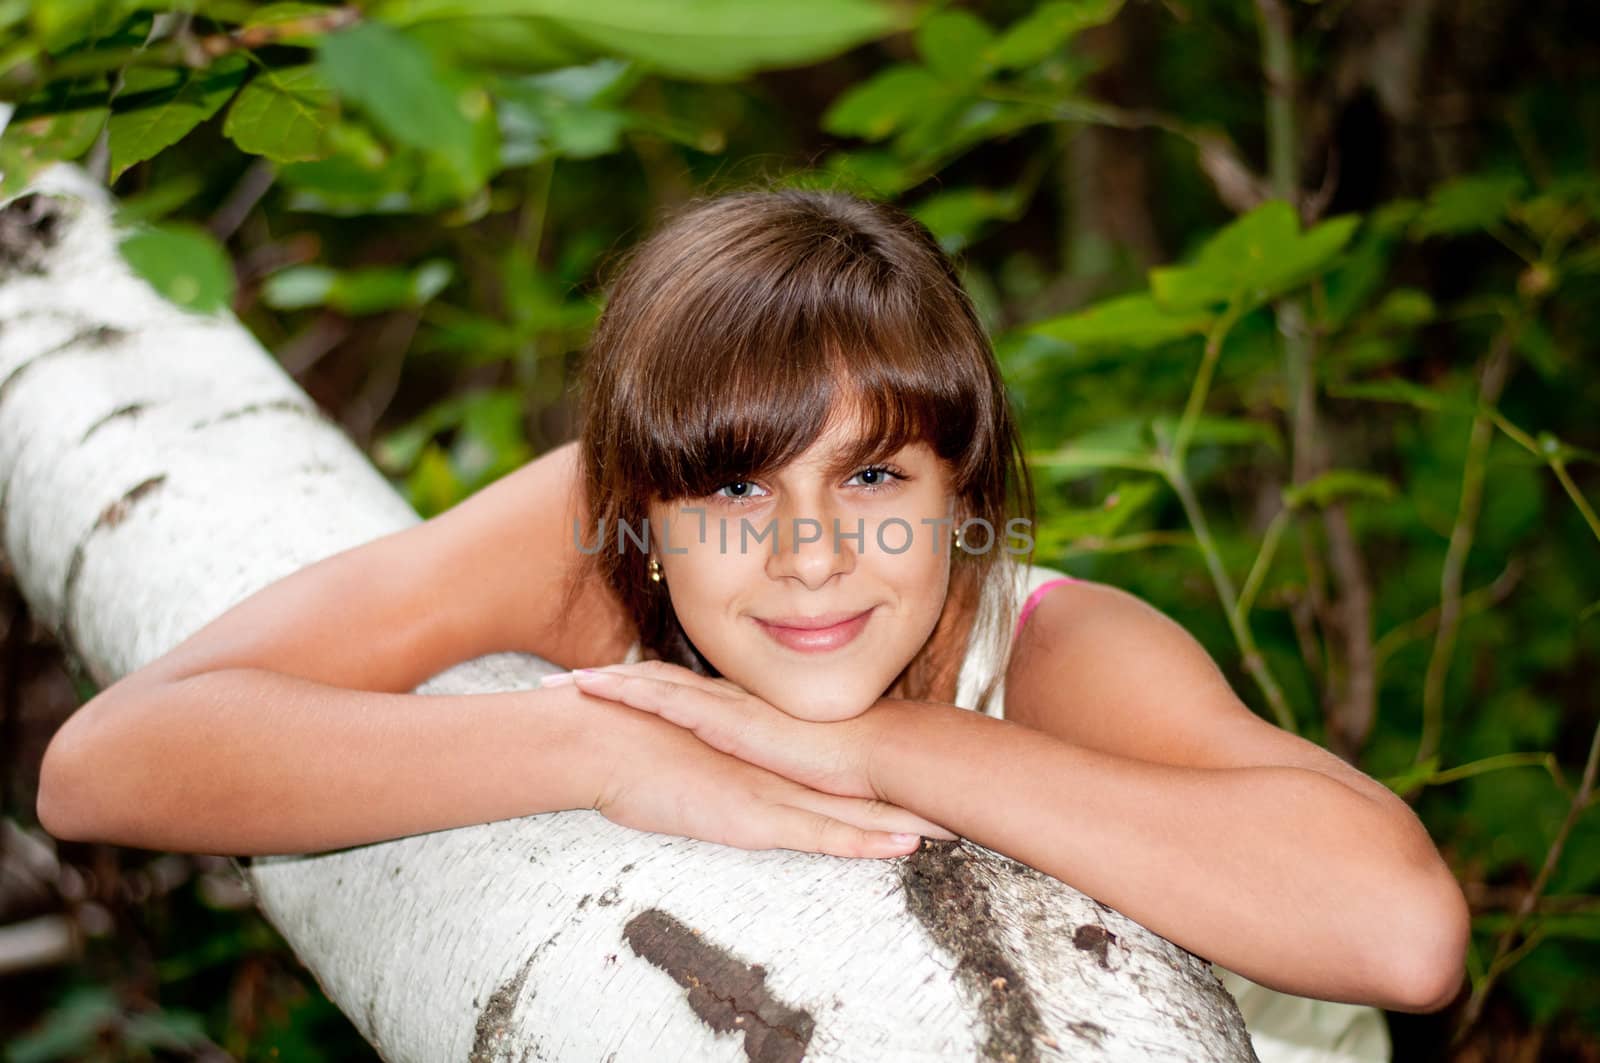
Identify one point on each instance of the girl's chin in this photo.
(806, 705)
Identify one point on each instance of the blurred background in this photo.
(1297, 302)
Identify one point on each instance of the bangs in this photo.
(774, 380)
(738, 335)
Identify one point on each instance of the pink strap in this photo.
(1033, 599)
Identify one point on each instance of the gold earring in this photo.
(655, 570)
(958, 539)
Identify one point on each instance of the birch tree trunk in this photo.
(157, 467)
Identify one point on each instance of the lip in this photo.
(805, 634)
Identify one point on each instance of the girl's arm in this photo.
(285, 725)
(245, 761)
(300, 693)
(1127, 768)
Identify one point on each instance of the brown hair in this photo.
(730, 336)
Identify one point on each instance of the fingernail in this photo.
(556, 679)
(907, 839)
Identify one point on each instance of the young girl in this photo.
(798, 515)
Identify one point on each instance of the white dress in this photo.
(1284, 1028)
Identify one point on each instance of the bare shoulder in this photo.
(517, 552)
(1102, 668)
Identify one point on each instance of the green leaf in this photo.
(956, 215)
(156, 108)
(184, 263)
(950, 126)
(884, 103)
(1469, 204)
(58, 23)
(566, 112)
(30, 144)
(1046, 28)
(1125, 501)
(705, 40)
(298, 287)
(1124, 444)
(953, 43)
(359, 176)
(1406, 308)
(282, 115)
(287, 11)
(872, 174)
(1254, 259)
(357, 291)
(169, 1029)
(1135, 321)
(159, 200)
(1404, 391)
(51, 126)
(509, 45)
(433, 486)
(1223, 431)
(1361, 270)
(69, 1030)
(410, 96)
(1336, 484)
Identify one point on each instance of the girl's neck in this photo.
(934, 673)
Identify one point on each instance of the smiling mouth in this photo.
(818, 639)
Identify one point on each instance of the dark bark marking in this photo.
(277, 405)
(609, 897)
(110, 517)
(372, 1024)
(726, 993)
(30, 225)
(117, 511)
(121, 411)
(495, 1020)
(1095, 939)
(1089, 1031)
(944, 894)
(93, 337)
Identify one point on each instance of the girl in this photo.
(791, 515)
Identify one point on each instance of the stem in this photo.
(1547, 761)
(1171, 466)
(1251, 657)
(1263, 563)
(1277, 64)
(1504, 956)
(1496, 369)
(530, 235)
(1202, 382)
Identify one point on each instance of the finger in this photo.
(718, 723)
(812, 832)
(870, 814)
(680, 705)
(666, 671)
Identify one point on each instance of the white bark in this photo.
(157, 467)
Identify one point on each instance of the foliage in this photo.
(1271, 411)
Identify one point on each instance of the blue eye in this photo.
(887, 478)
(747, 484)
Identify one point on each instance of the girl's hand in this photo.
(662, 778)
(832, 757)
